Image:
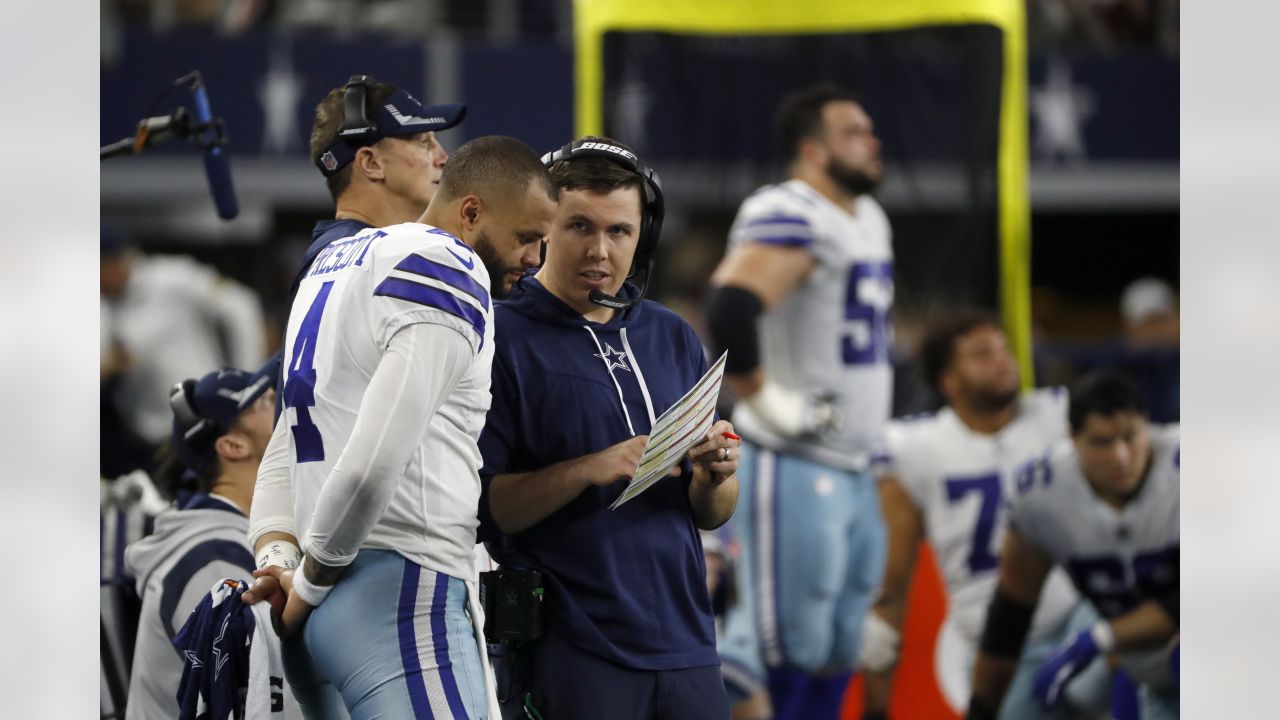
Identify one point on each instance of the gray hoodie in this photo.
(191, 549)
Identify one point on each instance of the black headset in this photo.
(182, 402)
(356, 127)
(651, 212)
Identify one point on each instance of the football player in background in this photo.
(374, 462)
(801, 303)
(1104, 506)
(946, 478)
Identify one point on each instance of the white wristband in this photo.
(281, 553)
(307, 591)
(783, 409)
(880, 642)
(1103, 636)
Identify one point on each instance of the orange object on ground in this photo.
(916, 694)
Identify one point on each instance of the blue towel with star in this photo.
(231, 660)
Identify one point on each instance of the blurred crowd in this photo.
(1053, 25)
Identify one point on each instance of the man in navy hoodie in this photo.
(582, 368)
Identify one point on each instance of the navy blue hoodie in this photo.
(628, 585)
(325, 232)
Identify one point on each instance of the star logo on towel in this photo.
(609, 356)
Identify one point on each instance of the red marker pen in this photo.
(731, 436)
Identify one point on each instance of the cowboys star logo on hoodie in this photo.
(609, 356)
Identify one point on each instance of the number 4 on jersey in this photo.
(300, 383)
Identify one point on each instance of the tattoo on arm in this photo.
(321, 574)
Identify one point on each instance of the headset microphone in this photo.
(652, 212)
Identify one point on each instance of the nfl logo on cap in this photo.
(329, 162)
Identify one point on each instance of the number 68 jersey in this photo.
(962, 481)
(830, 335)
(359, 292)
(1118, 558)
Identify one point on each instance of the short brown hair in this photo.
(800, 114)
(329, 118)
(493, 165)
(594, 173)
(939, 346)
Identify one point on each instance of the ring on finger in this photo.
(724, 453)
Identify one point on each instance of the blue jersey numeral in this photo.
(981, 558)
(300, 382)
(866, 309)
(1115, 589)
(1032, 473)
(1102, 580)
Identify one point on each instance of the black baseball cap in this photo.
(205, 409)
(401, 115)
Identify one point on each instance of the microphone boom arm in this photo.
(162, 127)
(200, 127)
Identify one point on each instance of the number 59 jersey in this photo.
(962, 481)
(359, 292)
(830, 335)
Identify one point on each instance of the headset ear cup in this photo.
(180, 402)
(184, 409)
(353, 107)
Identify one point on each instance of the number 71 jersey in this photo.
(962, 483)
(359, 292)
(830, 335)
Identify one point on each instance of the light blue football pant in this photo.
(812, 558)
(392, 640)
(1087, 695)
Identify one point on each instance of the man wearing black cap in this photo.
(376, 146)
(221, 426)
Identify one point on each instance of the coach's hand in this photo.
(618, 462)
(716, 459)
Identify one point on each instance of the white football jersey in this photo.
(357, 295)
(830, 335)
(1116, 558)
(962, 481)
